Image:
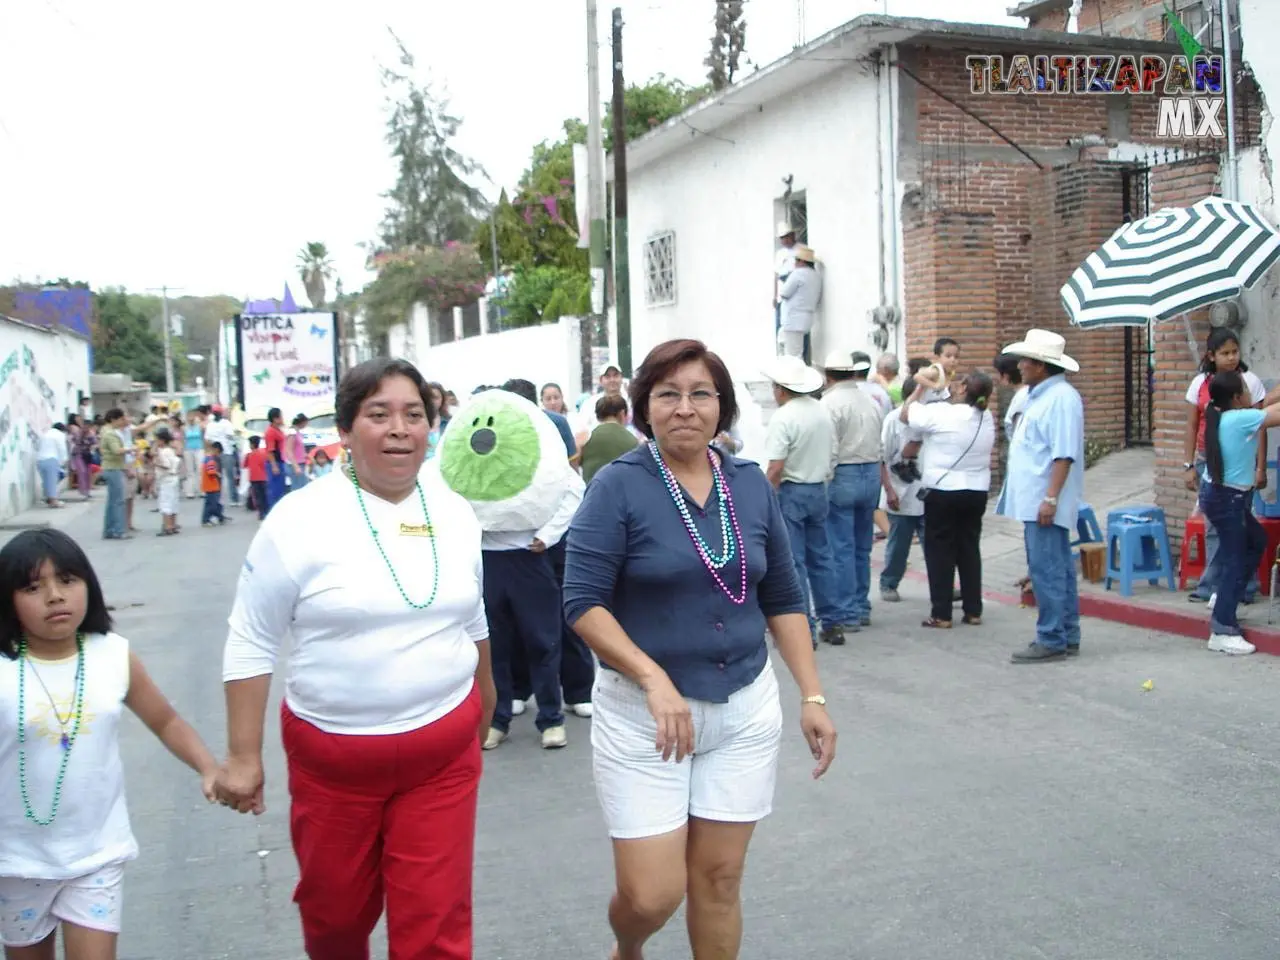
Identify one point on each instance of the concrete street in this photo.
(977, 809)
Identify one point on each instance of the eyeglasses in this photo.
(670, 399)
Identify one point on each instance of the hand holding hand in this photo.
(673, 717)
(538, 546)
(239, 785)
(820, 734)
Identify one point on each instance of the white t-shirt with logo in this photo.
(362, 660)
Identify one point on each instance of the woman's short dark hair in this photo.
(608, 407)
(112, 415)
(363, 380)
(977, 389)
(1006, 364)
(20, 563)
(663, 359)
(274, 414)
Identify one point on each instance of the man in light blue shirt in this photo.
(1043, 486)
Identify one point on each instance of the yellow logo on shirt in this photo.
(416, 530)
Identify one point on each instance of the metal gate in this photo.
(1139, 344)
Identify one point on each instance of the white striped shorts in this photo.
(730, 776)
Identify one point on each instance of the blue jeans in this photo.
(212, 507)
(275, 485)
(804, 508)
(1053, 577)
(902, 529)
(50, 471)
(113, 517)
(852, 498)
(231, 475)
(1241, 542)
(297, 476)
(1213, 569)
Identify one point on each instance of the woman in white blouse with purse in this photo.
(374, 573)
(955, 462)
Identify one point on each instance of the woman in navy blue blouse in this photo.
(678, 560)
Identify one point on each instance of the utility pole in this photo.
(165, 336)
(621, 248)
(801, 33)
(595, 187)
(1232, 179)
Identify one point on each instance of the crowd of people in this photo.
(654, 601)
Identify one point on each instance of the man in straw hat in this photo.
(800, 449)
(1043, 485)
(799, 298)
(854, 491)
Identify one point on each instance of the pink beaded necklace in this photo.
(726, 507)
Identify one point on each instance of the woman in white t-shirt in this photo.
(389, 689)
(956, 465)
(65, 680)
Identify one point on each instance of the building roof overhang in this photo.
(860, 39)
(1033, 8)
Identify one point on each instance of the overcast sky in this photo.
(147, 142)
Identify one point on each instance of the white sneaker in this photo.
(517, 707)
(1231, 645)
(1213, 601)
(553, 738)
(493, 739)
(582, 710)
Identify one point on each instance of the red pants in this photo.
(385, 817)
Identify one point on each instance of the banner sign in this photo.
(287, 360)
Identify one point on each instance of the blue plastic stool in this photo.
(1138, 548)
(1087, 529)
(1262, 506)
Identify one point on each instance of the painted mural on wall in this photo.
(28, 407)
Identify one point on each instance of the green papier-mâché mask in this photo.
(504, 455)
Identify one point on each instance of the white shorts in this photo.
(30, 910)
(730, 776)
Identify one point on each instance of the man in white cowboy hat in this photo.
(1043, 485)
(800, 450)
(854, 491)
(799, 298)
(784, 261)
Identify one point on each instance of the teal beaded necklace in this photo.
(68, 739)
(377, 542)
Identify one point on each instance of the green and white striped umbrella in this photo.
(1172, 262)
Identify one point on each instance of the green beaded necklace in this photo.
(435, 556)
(68, 739)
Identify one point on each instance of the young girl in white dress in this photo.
(64, 681)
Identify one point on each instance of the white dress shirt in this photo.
(53, 446)
(957, 449)
(551, 532)
(856, 420)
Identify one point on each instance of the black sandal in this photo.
(933, 624)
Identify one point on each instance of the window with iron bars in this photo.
(1202, 18)
(660, 270)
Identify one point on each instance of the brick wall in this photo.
(1177, 185)
(951, 282)
(1125, 18)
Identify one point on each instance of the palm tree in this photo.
(314, 268)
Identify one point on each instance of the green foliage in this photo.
(1095, 448)
(123, 340)
(544, 294)
(432, 201)
(727, 45)
(314, 269)
(652, 104)
(439, 277)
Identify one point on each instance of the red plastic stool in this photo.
(1191, 566)
(1272, 528)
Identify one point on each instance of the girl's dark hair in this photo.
(20, 562)
(1223, 390)
(908, 386)
(1218, 338)
(274, 414)
(1006, 364)
(363, 380)
(661, 361)
(977, 389)
(916, 364)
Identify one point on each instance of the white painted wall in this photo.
(42, 374)
(718, 195)
(550, 352)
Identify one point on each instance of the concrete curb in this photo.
(1146, 616)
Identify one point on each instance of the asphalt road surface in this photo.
(976, 809)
